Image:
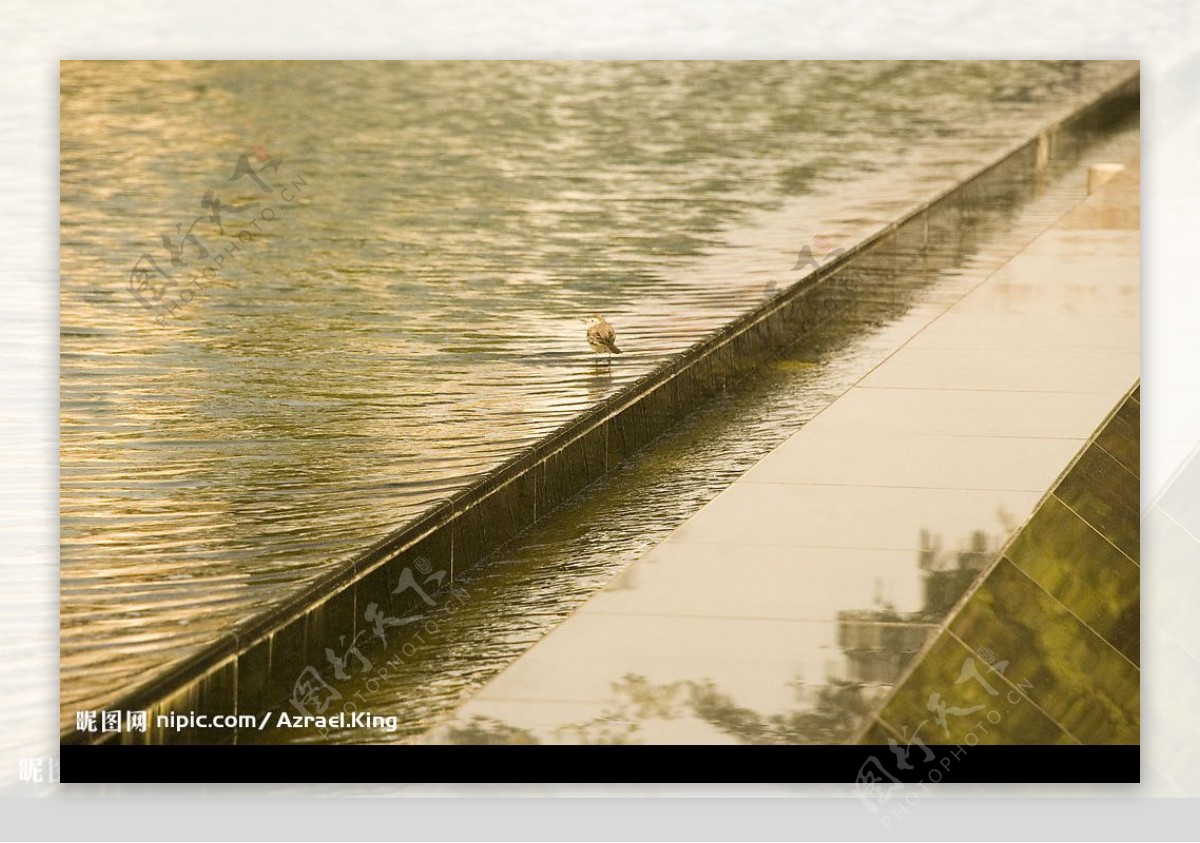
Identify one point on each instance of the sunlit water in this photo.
(410, 317)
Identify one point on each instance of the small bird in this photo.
(601, 336)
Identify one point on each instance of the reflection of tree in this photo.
(487, 730)
(838, 710)
(638, 700)
(834, 717)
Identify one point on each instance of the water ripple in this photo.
(411, 318)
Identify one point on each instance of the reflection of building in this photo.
(879, 643)
(948, 576)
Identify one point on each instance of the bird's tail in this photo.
(614, 348)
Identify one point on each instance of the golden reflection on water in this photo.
(409, 320)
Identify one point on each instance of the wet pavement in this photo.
(1052, 634)
(893, 499)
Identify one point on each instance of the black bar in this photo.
(348, 764)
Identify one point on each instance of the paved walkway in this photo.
(825, 565)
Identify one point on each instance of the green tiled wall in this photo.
(1053, 629)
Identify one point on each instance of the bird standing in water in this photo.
(601, 337)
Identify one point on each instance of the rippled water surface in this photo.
(397, 307)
